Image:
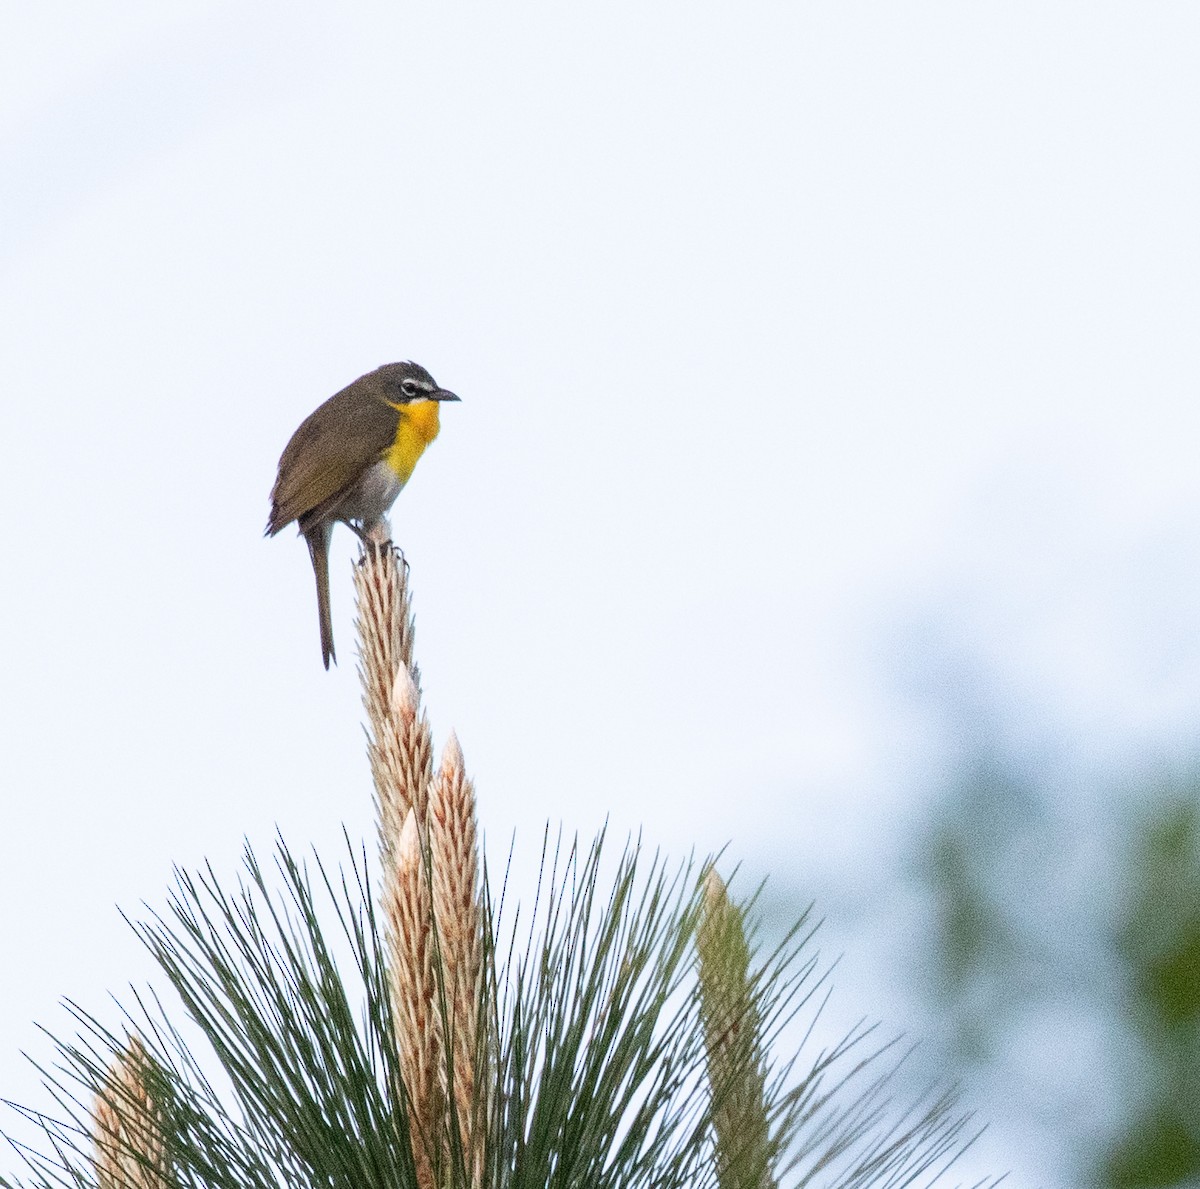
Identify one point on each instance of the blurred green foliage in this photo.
(1158, 942)
(1037, 911)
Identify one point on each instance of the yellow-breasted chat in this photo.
(350, 459)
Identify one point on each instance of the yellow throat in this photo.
(416, 428)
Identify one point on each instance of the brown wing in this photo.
(330, 450)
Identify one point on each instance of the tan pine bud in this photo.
(457, 913)
(127, 1127)
(730, 1017)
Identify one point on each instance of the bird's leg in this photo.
(378, 532)
(376, 537)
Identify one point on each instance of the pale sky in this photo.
(799, 345)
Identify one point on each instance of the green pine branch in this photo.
(320, 1030)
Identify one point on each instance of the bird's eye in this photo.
(408, 388)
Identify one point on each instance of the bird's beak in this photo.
(443, 394)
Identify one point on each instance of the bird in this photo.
(349, 460)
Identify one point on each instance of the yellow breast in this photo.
(416, 428)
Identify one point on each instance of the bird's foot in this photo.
(376, 539)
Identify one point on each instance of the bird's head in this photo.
(404, 383)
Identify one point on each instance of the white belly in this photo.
(372, 495)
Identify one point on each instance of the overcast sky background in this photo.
(805, 349)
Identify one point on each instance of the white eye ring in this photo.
(409, 388)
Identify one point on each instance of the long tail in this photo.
(318, 549)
